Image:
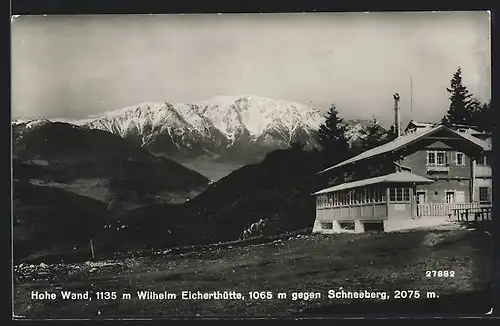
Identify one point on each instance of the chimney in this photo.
(397, 119)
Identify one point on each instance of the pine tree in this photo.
(460, 110)
(488, 118)
(332, 137)
(482, 116)
(373, 135)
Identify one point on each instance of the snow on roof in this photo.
(405, 140)
(459, 127)
(396, 177)
(421, 124)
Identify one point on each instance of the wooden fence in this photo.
(444, 209)
(461, 212)
(469, 215)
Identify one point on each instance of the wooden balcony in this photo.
(483, 171)
(438, 169)
(444, 209)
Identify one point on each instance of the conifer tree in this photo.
(332, 137)
(373, 135)
(461, 102)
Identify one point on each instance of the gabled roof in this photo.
(420, 124)
(404, 140)
(485, 144)
(397, 143)
(459, 127)
(397, 177)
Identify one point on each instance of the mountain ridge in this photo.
(215, 135)
(212, 126)
(221, 127)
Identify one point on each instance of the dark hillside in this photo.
(278, 191)
(48, 220)
(64, 154)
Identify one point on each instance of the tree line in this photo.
(464, 109)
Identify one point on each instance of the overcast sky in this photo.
(74, 66)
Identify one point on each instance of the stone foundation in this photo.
(390, 225)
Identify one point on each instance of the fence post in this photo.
(92, 248)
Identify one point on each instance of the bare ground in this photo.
(374, 262)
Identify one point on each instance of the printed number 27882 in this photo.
(440, 273)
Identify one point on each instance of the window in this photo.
(375, 226)
(357, 196)
(450, 197)
(441, 158)
(347, 225)
(431, 158)
(437, 158)
(406, 194)
(330, 200)
(399, 194)
(421, 197)
(393, 194)
(484, 160)
(379, 195)
(484, 194)
(460, 158)
(327, 225)
(383, 194)
(321, 201)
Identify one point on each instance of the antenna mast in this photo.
(411, 94)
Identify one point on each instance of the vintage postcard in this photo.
(287, 165)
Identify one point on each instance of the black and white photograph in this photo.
(251, 165)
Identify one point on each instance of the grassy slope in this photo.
(316, 263)
(48, 220)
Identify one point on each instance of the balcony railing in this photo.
(483, 171)
(438, 168)
(444, 209)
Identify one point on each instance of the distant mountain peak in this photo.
(227, 127)
(217, 125)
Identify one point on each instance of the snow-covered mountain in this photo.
(212, 137)
(220, 125)
(30, 123)
(225, 128)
